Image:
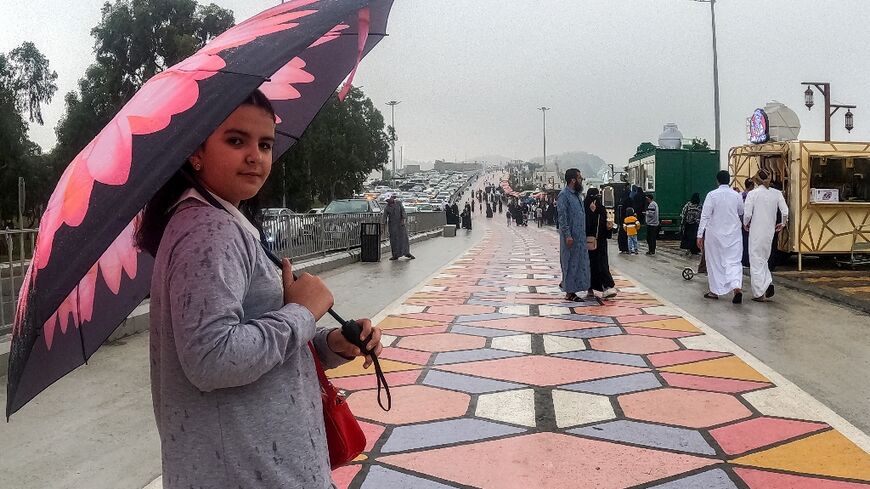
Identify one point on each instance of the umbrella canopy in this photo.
(86, 275)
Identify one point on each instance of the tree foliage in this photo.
(135, 40)
(26, 83)
(342, 146)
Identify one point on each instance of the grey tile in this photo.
(650, 435)
(488, 332)
(466, 383)
(605, 357)
(617, 385)
(439, 433)
(712, 479)
(473, 355)
(383, 478)
(590, 333)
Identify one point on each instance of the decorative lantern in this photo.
(808, 98)
(850, 121)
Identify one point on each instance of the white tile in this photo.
(543, 275)
(518, 310)
(560, 344)
(432, 288)
(388, 340)
(517, 275)
(446, 275)
(517, 407)
(785, 402)
(407, 309)
(548, 289)
(553, 310)
(576, 408)
(520, 343)
(520, 289)
(704, 342)
(662, 310)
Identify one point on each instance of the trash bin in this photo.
(448, 231)
(370, 242)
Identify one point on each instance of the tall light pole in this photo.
(715, 73)
(393, 104)
(544, 112)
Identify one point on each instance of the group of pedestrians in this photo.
(583, 232)
(720, 235)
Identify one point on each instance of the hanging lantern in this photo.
(850, 120)
(808, 98)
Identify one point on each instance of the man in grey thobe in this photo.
(573, 253)
(394, 217)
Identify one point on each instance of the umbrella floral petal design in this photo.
(87, 275)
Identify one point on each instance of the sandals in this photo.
(738, 298)
(761, 299)
(712, 296)
(573, 298)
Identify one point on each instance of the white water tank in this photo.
(784, 124)
(671, 137)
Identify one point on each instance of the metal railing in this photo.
(303, 236)
(16, 249)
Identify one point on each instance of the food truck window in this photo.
(850, 177)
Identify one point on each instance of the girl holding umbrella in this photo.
(236, 395)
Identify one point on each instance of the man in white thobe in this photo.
(719, 235)
(759, 218)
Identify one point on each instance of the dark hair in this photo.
(571, 174)
(763, 175)
(649, 196)
(723, 177)
(696, 198)
(156, 215)
(749, 184)
(629, 211)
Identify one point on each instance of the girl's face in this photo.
(236, 159)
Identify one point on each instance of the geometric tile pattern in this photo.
(498, 382)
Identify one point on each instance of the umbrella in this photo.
(86, 275)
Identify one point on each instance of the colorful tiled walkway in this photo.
(499, 383)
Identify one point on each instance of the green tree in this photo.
(135, 40)
(342, 146)
(26, 83)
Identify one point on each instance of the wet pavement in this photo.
(95, 428)
(499, 383)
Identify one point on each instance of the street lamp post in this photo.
(544, 112)
(716, 108)
(825, 89)
(393, 104)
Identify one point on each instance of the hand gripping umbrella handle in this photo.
(351, 329)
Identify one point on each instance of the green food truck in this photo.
(672, 175)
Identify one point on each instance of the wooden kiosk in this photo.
(826, 186)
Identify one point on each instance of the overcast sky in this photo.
(470, 73)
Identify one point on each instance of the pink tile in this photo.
(442, 342)
(642, 317)
(760, 479)
(712, 384)
(463, 310)
(611, 311)
(416, 331)
(683, 356)
(373, 433)
(408, 356)
(343, 476)
(639, 345)
(692, 409)
(760, 432)
(540, 370)
(441, 318)
(411, 404)
(535, 324)
(547, 460)
(659, 333)
(474, 288)
(361, 382)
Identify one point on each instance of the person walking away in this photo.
(466, 217)
(749, 184)
(690, 217)
(598, 228)
(719, 237)
(509, 216)
(488, 210)
(539, 215)
(653, 225)
(760, 220)
(395, 218)
(233, 380)
(631, 226)
(573, 254)
(621, 236)
(499, 206)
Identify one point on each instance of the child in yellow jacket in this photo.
(631, 226)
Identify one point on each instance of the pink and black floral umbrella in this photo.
(86, 275)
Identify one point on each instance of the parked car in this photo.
(316, 210)
(351, 206)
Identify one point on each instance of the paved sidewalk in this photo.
(498, 383)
